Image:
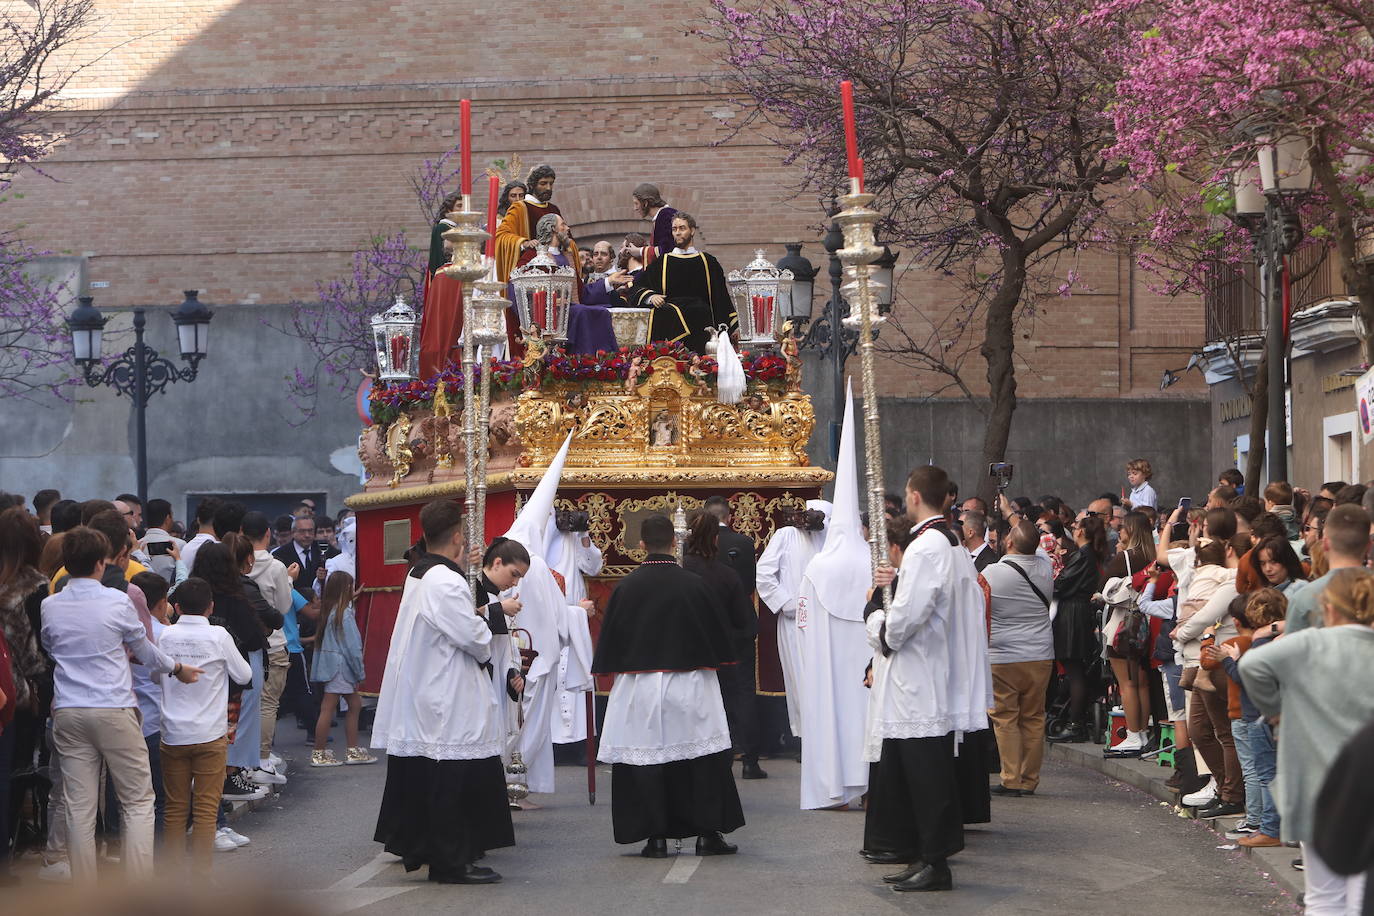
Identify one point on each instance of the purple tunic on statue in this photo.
(663, 231)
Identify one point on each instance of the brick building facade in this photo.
(247, 148)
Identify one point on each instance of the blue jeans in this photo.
(1258, 762)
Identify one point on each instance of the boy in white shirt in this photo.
(1138, 474)
(195, 725)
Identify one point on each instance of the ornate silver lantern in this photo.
(489, 304)
(544, 294)
(394, 334)
(761, 293)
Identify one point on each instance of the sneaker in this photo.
(236, 788)
(55, 872)
(267, 776)
(1298, 865)
(238, 838)
(359, 756)
(1130, 746)
(273, 761)
(1242, 830)
(1203, 797)
(324, 758)
(224, 843)
(1221, 808)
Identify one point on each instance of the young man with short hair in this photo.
(43, 501)
(195, 741)
(1345, 538)
(273, 579)
(90, 630)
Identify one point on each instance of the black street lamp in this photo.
(140, 372)
(1272, 218)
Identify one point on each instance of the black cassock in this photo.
(697, 294)
(663, 618)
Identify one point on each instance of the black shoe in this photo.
(934, 877)
(1221, 809)
(1005, 791)
(752, 771)
(911, 871)
(470, 874)
(887, 858)
(1068, 734)
(1112, 753)
(1026, 793)
(656, 848)
(713, 844)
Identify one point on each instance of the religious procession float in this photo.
(654, 427)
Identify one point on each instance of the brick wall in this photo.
(248, 148)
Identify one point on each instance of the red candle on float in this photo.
(465, 142)
(767, 325)
(493, 193)
(851, 138)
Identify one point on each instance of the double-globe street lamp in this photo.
(828, 334)
(1269, 210)
(140, 372)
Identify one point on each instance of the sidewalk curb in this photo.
(1147, 776)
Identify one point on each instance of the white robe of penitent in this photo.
(778, 581)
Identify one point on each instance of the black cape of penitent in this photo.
(662, 618)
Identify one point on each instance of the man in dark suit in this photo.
(737, 551)
(975, 539)
(303, 550)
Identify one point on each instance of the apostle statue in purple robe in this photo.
(649, 204)
(589, 326)
(605, 285)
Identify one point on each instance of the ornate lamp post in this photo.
(761, 292)
(797, 308)
(140, 372)
(1285, 177)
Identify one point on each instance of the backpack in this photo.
(1132, 638)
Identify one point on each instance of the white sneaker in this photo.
(55, 871)
(238, 838)
(1202, 797)
(273, 761)
(1132, 742)
(223, 843)
(268, 776)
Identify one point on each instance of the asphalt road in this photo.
(1083, 844)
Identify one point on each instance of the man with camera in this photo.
(163, 550)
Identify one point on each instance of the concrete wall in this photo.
(229, 431)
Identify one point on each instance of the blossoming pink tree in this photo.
(35, 64)
(1201, 79)
(983, 128)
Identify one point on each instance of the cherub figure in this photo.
(632, 376)
(698, 374)
(532, 365)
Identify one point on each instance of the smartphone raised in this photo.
(1185, 503)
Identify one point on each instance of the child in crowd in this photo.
(195, 742)
(1258, 624)
(338, 668)
(1138, 474)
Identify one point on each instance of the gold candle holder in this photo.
(858, 224)
(466, 265)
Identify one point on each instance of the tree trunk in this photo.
(1358, 280)
(1259, 421)
(999, 350)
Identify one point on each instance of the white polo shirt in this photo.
(199, 712)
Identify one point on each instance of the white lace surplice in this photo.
(662, 716)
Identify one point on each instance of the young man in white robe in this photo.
(914, 711)
(835, 646)
(778, 582)
(666, 734)
(444, 804)
(571, 553)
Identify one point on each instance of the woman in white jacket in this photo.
(1210, 592)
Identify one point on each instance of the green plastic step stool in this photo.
(1166, 743)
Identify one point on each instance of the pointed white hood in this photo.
(544, 605)
(839, 571)
(534, 516)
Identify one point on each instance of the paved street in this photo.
(1084, 844)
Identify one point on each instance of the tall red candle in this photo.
(465, 142)
(851, 138)
(493, 192)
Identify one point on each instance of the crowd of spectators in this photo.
(1236, 631)
(143, 668)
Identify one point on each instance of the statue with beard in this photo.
(589, 326)
(686, 289)
(516, 233)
